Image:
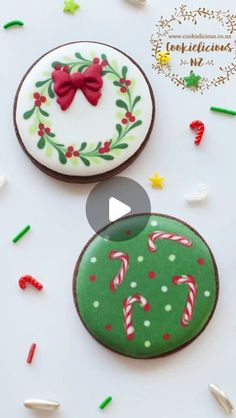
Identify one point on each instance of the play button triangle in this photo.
(117, 209)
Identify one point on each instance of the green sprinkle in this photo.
(21, 234)
(105, 402)
(13, 23)
(227, 111)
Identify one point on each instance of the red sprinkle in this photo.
(31, 353)
(199, 125)
(29, 279)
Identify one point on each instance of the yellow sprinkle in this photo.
(157, 181)
(163, 57)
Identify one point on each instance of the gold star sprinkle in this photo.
(163, 57)
(71, 6)
(157, 181)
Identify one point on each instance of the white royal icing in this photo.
(83, 122)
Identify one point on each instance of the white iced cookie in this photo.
(84, 112)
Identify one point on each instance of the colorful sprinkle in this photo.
(93, 260)
(21, 234)
(96, 304)
(192, 80)
(197, 124)
(92, 278)
(108, 327)
(157, 181)
(147, 344)
(152, 275)
(31, 353)
(198, 196)
(163, 57)
(105, 402)
(147, 323)
(71, 6)
(168, 308)
(3, 180)
(30, 280)
(201, 261)
(221, 398)
(221, 110)
(140, 259)
(166, 337)
(13, 23)
(172, 258)
(207, 293)
(133, 284)
(164, 289)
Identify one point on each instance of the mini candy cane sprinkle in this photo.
(29, 279)
(128, 311)
(198, 196)
(192, 295)
(197, 124)
(118, 279)
(166, 235)
(221, 398)
(31, 353)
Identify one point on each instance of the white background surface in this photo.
(69, 365)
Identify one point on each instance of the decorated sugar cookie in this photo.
(84, 112)
(148, 296)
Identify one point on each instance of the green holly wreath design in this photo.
(103, 150)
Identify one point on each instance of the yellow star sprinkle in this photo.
(163, 57)
(157, 181)
(71, 6)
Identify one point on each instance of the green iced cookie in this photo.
(150, 295)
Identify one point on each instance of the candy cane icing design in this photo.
(128, 311)
(166, 235)
(118, 279)
(192, 295)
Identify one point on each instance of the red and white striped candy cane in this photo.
(118, 279)
(192, 295)
(166, 235)
(128, 312)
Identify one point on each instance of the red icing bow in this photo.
(66, 85)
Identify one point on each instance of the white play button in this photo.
(117, 209)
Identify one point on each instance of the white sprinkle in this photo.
(93, 260)
(168, 308)
(138, 2)
(221, 398)
(154, 223)
(147, 323)
(41, 404)
(147, 344)
(140, 258)
(207, 293)
(198, 196)
(133, 284)
(172, 258)
(3, 180)
(164, 289)
(96, 304)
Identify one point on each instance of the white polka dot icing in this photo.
(77, 130)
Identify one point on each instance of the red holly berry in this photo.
(124, 121)
(122, 80)
(36, 95)
(132, 119)
(41, 126)
(37, 103)
(70, 149)
(96, 60)
(66, 68)
(123, 89)
(101, 150)
(104, 63)
(76, 153)
(68, 154)
(128, 114)
(128, 83)
(40, 133)
(43, 99)
(107, 144)
(47, 130)
(57, 66)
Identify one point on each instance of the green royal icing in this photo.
(158, 331)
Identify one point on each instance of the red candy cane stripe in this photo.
(31, 353)
(166, 235)
(29, 279)
(192, 295)
(199, 125)
(118, 279)
(128, 311)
